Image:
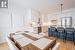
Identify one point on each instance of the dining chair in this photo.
(53, 31)
(61, 33)
(70, 34)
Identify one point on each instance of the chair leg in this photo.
(49, 35)
(65, 39)
(74, 42)
(58, 35)
(73, 39)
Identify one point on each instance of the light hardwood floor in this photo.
(68, 45)
(4, 46)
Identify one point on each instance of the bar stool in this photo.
(61, 33)
(53, 31)
(49, 32)
(70, 34)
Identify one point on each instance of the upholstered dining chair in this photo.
(53, 31)
(70, 34)
(11, 44)
(61, 33)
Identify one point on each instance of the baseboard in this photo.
(2, 42)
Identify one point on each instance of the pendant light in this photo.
(61, 12)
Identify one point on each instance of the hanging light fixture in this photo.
(61, 12)
(61, 8)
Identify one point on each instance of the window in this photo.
(66, 21)
(3, 3)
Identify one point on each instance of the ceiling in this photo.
(44, 6)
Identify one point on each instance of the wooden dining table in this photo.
(32, 41)
(17, 36)
(33, 36)
(23, 42)
(41, 44)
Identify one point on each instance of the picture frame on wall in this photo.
(3, 3)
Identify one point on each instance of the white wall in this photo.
(21, 19)
(35, 15)
(5, 22)
(4, 19)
